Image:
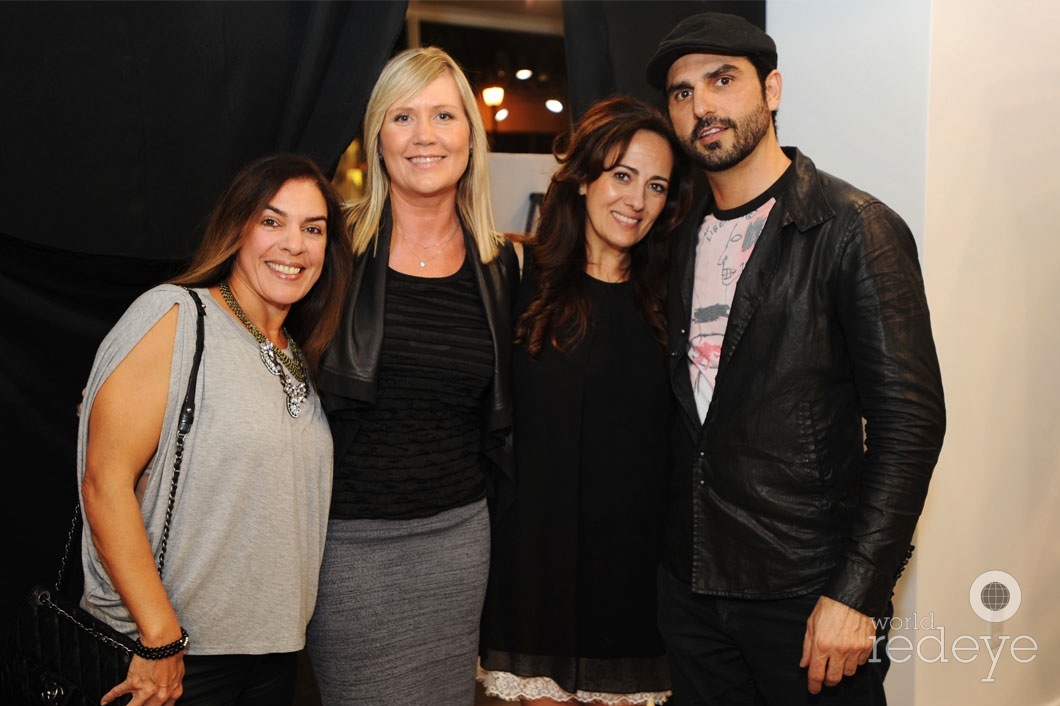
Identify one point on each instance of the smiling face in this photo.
(621, 204)
(425, 139)
(719, 107)
(282, 251)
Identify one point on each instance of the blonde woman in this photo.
(416, 390)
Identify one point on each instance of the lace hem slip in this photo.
(511, 687)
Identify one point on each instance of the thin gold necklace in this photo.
(441, 246)
(273, 358)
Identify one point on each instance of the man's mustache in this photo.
(708, 121)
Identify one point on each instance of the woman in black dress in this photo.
(570, 608)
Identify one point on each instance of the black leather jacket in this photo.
(775, 494)
(347, 378)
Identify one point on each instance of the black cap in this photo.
(709, 33)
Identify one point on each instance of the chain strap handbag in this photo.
(58, 654)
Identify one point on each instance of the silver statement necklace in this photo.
(441, 246)
(294, 387)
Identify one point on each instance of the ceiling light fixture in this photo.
(493, 96)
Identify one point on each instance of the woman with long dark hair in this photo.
(215, 574)
(570, 610)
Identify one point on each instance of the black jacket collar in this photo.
(349, 369)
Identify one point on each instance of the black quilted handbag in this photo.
(58, 654)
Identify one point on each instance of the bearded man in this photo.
(811, 406)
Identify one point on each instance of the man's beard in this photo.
(746, 133)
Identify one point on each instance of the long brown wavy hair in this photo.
(313, 320)
(560, 312)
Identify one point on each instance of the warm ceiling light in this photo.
(523, 74)
(554, 105)
(493, 96)
(502, 114)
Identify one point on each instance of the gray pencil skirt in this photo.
(398, 608)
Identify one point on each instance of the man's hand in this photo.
(838, 639)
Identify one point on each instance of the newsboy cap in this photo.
(709, 33)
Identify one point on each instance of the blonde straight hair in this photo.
(403, 77)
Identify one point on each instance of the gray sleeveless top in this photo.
(252, 502)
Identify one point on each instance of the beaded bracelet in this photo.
(163, 651)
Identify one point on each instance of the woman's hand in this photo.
(152, 682)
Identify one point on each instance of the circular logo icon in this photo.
(995, 596)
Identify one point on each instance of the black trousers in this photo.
(739, 652)
(239, 680)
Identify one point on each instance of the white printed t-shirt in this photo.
(726, 240)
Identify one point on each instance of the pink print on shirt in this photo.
(721, 254)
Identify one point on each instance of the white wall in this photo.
(947, 111)
(993, 258)
(856, 90)
(513, 177)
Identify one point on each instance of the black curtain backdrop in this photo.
(610, 41)
(120, 124)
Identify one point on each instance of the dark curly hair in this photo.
(559, 314)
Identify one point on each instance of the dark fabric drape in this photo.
(121, 123)
(58, 307)
(609, 42)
